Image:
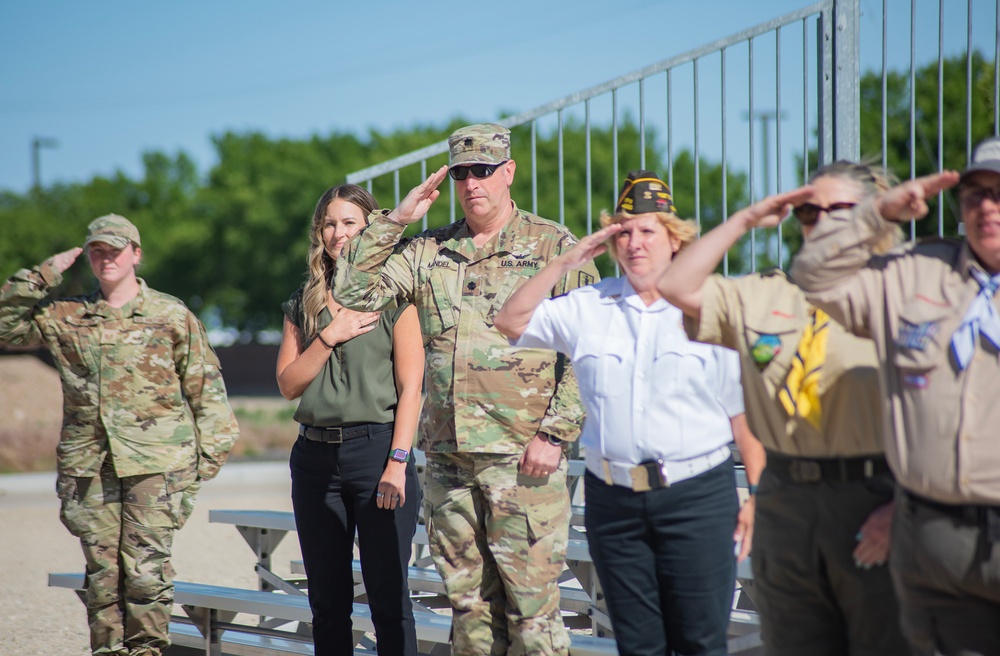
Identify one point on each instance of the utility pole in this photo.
(765, 117)
(37, 144)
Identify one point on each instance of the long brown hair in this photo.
(320, 262)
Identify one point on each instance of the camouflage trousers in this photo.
(498, 539)
(126, 528)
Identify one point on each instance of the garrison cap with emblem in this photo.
(486, 143)
(986, 157)
(112, 229)
(643, 192)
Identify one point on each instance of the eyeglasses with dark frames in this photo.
(975, 195)
(478, 171)
(808, 213)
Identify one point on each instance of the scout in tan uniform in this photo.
(495, 416)
(824, 508)
(931, 311)
(145, 418)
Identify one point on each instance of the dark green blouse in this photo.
(356, 385)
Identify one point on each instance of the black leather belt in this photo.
(985, 517)
(340, 434)
(828, 470)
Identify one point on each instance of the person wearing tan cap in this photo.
(824, 503)
(495, 418)
(145, 420)
(931, 309)
(662, 511)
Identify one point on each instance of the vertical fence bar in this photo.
(968, 86)
(534, 167)
(642, 123)
(885, 87)
(423, 176)
(777, 134)
(752, 162)
(725, 164)
(824, 86)
(805, 100)
(368, 185)
(590, 182)
(913, 102)
(562, 179)
(614, 145)
(846, 70)
(670, 131)
(395, 186)
(940, 112)
(697, 153)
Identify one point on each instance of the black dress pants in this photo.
(333, 495)
(665, 560)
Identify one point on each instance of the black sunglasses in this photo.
(808, 213)
(478, 171)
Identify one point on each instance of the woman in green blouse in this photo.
(358, 378)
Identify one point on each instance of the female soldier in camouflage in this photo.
(358, 377)
(145, 418)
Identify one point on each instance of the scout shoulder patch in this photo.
(914, 336)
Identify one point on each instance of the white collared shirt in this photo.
(650, 392)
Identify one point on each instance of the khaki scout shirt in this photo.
(483, 395)
(769, 312)
(140, 382)
(945, 423)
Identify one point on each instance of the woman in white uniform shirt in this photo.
(661, 511)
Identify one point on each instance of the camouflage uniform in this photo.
(145, 418)
(498, 537)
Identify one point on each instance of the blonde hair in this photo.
(872, 180)
(683, 230)
(320, 263)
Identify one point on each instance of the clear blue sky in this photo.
(111, 79)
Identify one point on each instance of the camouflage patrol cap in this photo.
(112, 229)
(643, 192)
(486, 143)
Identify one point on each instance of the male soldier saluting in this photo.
(495, 416)
(931, 310)
(145, 418)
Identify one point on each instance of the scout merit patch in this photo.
(764, 349)
(914, 336)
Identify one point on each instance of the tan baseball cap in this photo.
(112, 229)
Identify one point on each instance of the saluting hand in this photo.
(62, 261)
(908, 201)
(590, 247)
(419, 200)
(772, 210)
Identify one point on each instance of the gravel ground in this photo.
(36, 619)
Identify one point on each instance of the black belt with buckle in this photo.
(985, 517)
(829, 470)
(340, 434)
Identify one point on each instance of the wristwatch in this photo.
(399, 455)
(552, 439)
